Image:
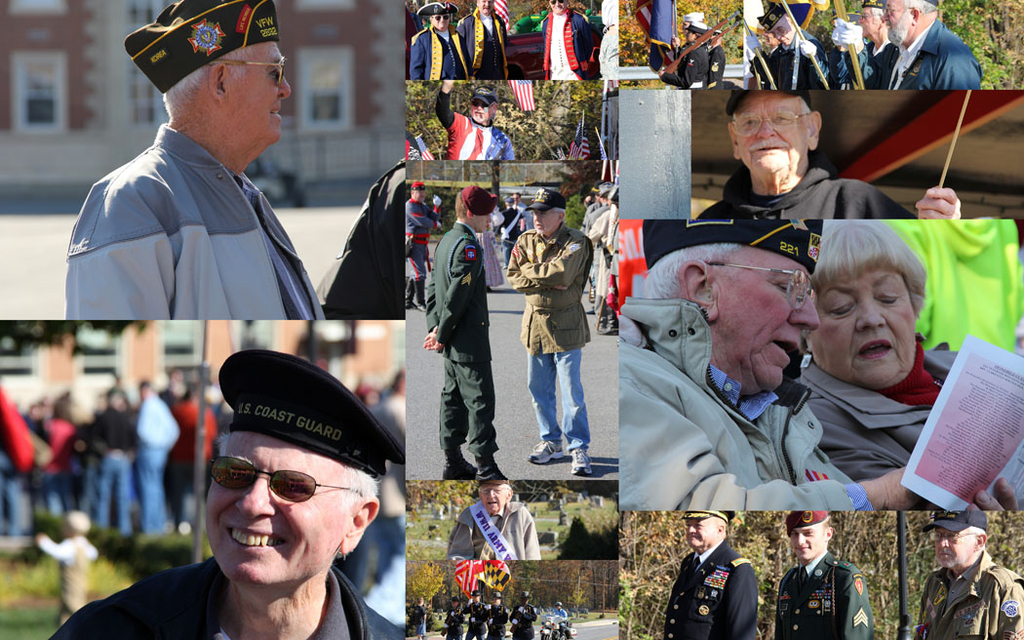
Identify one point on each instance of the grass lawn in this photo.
(29, 622)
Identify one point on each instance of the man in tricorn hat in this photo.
(822, 597)
(436, 52)
(970, 595)
(293, 487)
(180, 231)
(715, 595)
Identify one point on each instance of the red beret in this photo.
(803, 519)
(478, 201)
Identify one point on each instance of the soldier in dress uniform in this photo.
(716, 62)
(970, 596)
(477, 614)
(692, 71)
(715, 595)
(457, 317)
(420, 219)
(436, 52)
(522, 618)
(497, 618)
(821, 597)
(453, 621)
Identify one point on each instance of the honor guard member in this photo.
(692, 71)
(497, 618)
(821, 597)
(476, 614)
(715, 595)
(781, 60)
(568, 43)
(420, 220)
(970, 596)
(716, 62)
(474, 137)
(293, 487)
(453, 620)
(875, 29)
(436, 52)
(458, 321)
(180, 232)
(522, 618)
(550, 264)
(483, 35)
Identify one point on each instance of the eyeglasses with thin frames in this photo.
(747, 124)
(951, 538)
(279, 64)
(798, 289)
(293, 486)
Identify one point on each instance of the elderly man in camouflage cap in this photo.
(180, 231)
(970, 596)
(294, 486)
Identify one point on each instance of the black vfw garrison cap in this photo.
(798, 240)
(191, 33)
(547, 199)
(286, 397)
(958, 520)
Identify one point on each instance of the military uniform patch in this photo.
(470, 252)
(704, 610)
(940, 595)
(858, 584)
(968, 611)
(717, 579)
(206, 37)
(1011, 608)
(860, 618)
(573, 247)
(814, 246)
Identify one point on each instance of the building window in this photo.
(325, 83)
(40, 87)
(16, 362)
(320, 5)
(37, 6)
(100, 352)
(146, 105)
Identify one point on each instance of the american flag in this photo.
(501, 8)
(523, 91)
(466, 572)
(424, 152)
(580, 147)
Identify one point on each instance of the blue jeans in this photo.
(10, 497)
(541, 372)
(506, 250)
(57, 488)
(150, 465)
(115, 469)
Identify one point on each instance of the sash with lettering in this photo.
(502, 549)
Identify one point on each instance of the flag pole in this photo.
(757, 52)
(799, 37)
(956, 134)
(839, 8)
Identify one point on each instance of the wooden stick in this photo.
(839, 8)
(956, 134)
(757, 52)
(799, 36)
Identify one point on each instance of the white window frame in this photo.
(322, 5)
(11, 360)
(19, 60)
(37, 7)
(345, 58)
(135, 77)
(109, 364)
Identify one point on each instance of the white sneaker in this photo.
(546, 451)
(581, 462)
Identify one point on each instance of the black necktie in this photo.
(694, 565)
(801, 579)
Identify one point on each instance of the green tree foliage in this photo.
(653, 544)
(25, 333)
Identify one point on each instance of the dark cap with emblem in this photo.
(478, 201)
(772, 17)
(418, 186)
(798, 240)
(797, 519)
(703, 515)
(737, 97)
(957, 520)
(697, 27)
(475, 592)
(546, 199)
(485, 94)
(291, 399)
(874, 4)
(189, 34)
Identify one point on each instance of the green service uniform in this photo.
(986, 605)
(457, 307)
(832, 603)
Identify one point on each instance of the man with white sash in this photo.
(494, 528)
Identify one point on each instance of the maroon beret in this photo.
(803, 519)
(478, 201)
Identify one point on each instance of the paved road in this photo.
(514, 417)
(597, 630)
(32, 250)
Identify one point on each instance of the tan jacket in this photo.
(682, 446)
(554, 319)
(467, 543)
(989, 607)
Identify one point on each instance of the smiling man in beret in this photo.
(180, 232)
(294, 486)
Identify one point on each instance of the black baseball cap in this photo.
(958, 520)
(737, 97)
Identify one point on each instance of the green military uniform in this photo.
(832, 603)
(554, 320)
(457, 307)
(988, 605)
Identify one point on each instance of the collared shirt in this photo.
(907, 57)
(958, 584)
(704, 556)
(809, 567)
(750, 406)
(488, 22)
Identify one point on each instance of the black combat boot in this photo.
(421, 302)
(487, 469)
(456, 467)
(410, 291)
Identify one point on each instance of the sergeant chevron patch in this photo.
(860, 618)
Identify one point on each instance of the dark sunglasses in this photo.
(293, 486)
(479, 103)
(554, 2)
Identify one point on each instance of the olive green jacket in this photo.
(833, 604)
(554, 319)
(989, 607)
(457, 297)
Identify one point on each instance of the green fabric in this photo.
(833, 603)
(975, 279)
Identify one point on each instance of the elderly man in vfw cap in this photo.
(495, 527)
(568, 43)
(821, 597)
(483, 34)
(791, 54)
(474, 137)
(551, 264)
(436, 53)
(970, 596)
(715, 595)
(180, 232)
(420, 220)
(870, 25)
(692, 71)
(522, 618)
(775, 135)
(294, 486)
(706, 415)
(458, 321)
